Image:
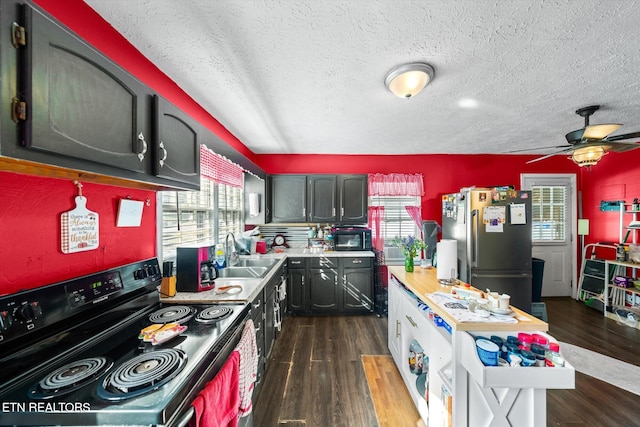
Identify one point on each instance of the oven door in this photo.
(186, 414)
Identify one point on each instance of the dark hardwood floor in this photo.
(315, 375)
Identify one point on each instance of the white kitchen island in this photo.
(460, 390)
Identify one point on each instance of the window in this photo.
(204, 217)
(548, 213)
(396, 222)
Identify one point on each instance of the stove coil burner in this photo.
(70, 377)
(213, 314)
(175, 313)
(142, 374)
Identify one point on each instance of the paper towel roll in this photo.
(254, 204)
(447, 259)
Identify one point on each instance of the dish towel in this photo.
(248, 353)
(217, 405)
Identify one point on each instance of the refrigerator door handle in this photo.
(473, 238)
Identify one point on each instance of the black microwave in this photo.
(352, 239)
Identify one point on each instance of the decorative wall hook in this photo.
(79, 185)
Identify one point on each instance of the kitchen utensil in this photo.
(230, 289)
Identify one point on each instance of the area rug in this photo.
(391, 400)
(613, 371)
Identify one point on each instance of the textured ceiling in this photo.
(306, 76)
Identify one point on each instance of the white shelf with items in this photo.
(616, 296)
(628, 227)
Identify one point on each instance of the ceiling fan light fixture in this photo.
(407, 80)
(588, 156)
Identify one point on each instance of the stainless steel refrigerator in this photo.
(493, 230)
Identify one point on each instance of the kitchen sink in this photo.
(243, 272)
(256, 262)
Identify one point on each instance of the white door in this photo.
(553, 223)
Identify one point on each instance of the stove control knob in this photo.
(5, 320)
(30, 311)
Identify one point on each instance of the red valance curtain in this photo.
(396, 184)
(416, 215)
(376, 214)
(219, 169)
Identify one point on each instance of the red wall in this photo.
(30, 209)
(443, 173)
(616, 177)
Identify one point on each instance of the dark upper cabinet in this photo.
(321, 198)
(353, 199)
(80, 107)
(341, 199)
(176, 149)
(288, 198)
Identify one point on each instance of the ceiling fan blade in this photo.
(536, 148)
(622, 137)
(600, 131)
(620, 147)
(550, 155)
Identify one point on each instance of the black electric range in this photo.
(71, 352)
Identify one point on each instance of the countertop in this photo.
(251, 288)
(423, 282)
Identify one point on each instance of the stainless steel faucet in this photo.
(231, 256)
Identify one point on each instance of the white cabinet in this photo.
(409, 321)
(480, 395)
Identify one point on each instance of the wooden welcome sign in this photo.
(79, 229)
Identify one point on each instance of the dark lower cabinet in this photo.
(257, 315)
(330, 285)
(297, 286)
(357, 284)
(323, 287)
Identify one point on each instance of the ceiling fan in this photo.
(590, 143)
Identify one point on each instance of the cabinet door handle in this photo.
(397, 328)
(256, 305)
(357, 261)
(304, 211)
(341, 211)
(411, 321)
(333, 212)
(144, 146)
(257, 328)
(164, 155)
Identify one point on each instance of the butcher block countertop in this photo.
(423, 282)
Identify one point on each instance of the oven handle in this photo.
(184, 421)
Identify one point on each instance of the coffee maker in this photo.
(195, 268)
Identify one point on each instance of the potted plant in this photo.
(410, 247)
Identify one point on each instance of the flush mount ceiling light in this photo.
(588, 156)
(407, 80)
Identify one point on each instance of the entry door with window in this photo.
(552, 220)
